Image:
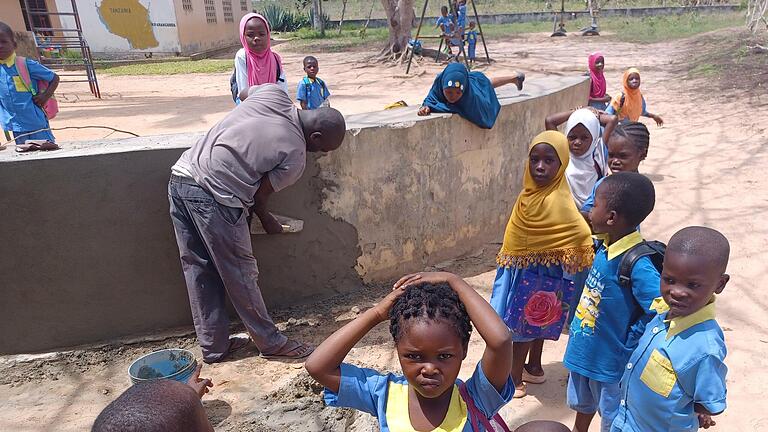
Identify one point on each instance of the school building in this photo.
(171, 27)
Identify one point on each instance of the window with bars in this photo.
(186, 5)
(226, 6)
(244, 5)
(210, 11)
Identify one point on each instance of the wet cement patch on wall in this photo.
(424, 190)
(89, 252)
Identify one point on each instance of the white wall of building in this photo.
(114, 26)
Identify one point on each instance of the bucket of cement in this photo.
(175, 364)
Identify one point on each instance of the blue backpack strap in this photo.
(323, 88)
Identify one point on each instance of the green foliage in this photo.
(284, 20)
(172, 68)
(668, 27)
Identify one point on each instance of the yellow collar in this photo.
(659, 305)
(680, 324)
(398, 418)
(622, 245)
(10, 61)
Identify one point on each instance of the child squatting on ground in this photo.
(158, 406)
(312, 93)
(431, 317)
(675, 378)
(610, 317)
(21, 103)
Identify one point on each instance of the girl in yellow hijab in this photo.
(546, 243)
(630, 103)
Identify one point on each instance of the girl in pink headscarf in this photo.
(598, 98)
(256, 63)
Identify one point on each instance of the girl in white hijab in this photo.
(587, 149)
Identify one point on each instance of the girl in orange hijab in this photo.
(630, 103)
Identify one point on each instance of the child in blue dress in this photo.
(21, 105)
(471, 37)
(545, 236)
(431, 317)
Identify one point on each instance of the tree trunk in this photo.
(400, 16)
(317, 17)
(343, 10)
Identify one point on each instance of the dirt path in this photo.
(706, 164)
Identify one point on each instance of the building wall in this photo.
(10, 11)
(203, 26)
(89, 252)
(115, 26)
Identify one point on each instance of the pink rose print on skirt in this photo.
(543, 309)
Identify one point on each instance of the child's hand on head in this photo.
(423, 277)
(385, 305)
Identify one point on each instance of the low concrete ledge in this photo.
(89, 252)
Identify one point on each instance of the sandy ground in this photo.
(706, 164)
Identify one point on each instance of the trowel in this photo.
(290, 225)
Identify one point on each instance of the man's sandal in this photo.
(292, 350)
(235, 345)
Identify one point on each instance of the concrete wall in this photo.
(196, 34)
(523, 17)
(89, 253)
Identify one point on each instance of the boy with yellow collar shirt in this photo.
(611, 315)
(675, 379)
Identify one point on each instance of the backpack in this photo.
(233, 82)
(476, 417)
(652, 249)
(51, 107)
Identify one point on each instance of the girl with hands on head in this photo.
(431, 317)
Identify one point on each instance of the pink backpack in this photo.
(475, 415)
(51, 107)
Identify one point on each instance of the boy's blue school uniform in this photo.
(471, 44)
(461, 19)
(385, 396)
(608, 323)
(444, 23)
(18, 112)
(312, 91)
(678, 363)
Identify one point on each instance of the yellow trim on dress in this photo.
(10, 61)
(399, 420)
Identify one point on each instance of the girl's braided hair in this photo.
(433, 302)
(636, 133)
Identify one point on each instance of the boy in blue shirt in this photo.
(471, 37)
(312, 93)
(461, 16)
(675, 378)
(610, 318)
(445, 24)
(20, 105)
